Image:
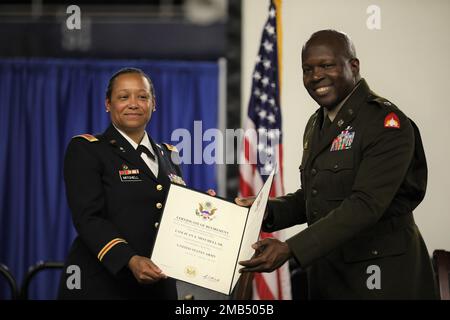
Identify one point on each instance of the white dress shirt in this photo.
(151, 164)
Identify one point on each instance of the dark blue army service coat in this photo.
(116, 204)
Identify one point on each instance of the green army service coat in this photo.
(361, 179)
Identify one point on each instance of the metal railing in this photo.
(33, 271)
(4, 271)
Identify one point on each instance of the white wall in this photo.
(406, 61)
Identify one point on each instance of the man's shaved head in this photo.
(337, 39)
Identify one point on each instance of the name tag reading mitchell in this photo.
(201, 238)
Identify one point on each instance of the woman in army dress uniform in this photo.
(116, 184)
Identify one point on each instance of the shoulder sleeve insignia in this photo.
(88, 137)
(392, 121)
(170, 147)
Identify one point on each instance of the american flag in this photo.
(264, 150)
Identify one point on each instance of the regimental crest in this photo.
(176, 179)
(206, 210)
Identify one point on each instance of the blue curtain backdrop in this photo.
(43, 103)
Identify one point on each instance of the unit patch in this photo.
(392, 121)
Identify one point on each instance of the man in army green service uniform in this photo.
(363, 172)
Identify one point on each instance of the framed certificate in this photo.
(202, 238)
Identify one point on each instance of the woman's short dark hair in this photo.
(124, 71)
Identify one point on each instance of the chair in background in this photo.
(33, 271)
(4, 271)
(441, 262)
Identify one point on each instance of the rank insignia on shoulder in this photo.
(170, 147)
(392, 121)
(87, 136)
(176, 179)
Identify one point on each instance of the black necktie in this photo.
(143, 149)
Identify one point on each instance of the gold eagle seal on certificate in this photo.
(190, 271)
(206, 211)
